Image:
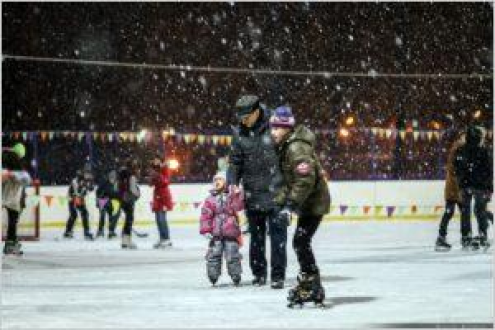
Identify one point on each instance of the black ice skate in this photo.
(475, 244)
(441, 245)
(277, 284)
(259, 281)
(466, 243)
(484, 243)
(308, 289)
(89, 237)
(68, 235)
(12, 248)
(236, 279)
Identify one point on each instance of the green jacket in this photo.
(305, 185)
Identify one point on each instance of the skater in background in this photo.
(219, 224)
(129, 193)
(453, 197)
(253, 162)
(162, 200)
(107, 191)
(14, 182)
(305, 194)
(80, 186)
(473, 166)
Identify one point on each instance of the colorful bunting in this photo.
(390, 211)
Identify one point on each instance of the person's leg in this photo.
(101, 223)
(127, 243)
(214, 260)
(447, 216)
(480, 206)
(306, 228)
(257, 253)
(233, 258)
(114, 216)
(12, 245)
(278, 240)
(466, 217)
(71, 221)
(161, 223)
(85, 221)
(13, 220)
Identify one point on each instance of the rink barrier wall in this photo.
(351, 201)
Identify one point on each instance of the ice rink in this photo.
(376, 274)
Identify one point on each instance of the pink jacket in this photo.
(219, 215)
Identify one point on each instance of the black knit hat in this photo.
(246, 105)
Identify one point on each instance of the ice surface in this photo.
(375, 273)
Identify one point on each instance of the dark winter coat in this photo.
(474, 165)
(253, 160)
(162, 198)
(129, 191)
(452, 191)
(107, 189)
(305, 184)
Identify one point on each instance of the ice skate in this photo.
(162, 244)
(12, 248)
(259, 281)
(127, 243)
(466, 243)
(68, 235)
(441, 245)
(484, 243)
(100, 234)
(112, 235)
(277, 284)
(89, 237)
(308, 289)
(236, 279)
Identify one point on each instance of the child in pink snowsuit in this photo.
(219, 223)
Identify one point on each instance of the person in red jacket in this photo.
(162, 200)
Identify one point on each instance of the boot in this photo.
(441, 245)
(162, 244)
(111, 235)
(68, 235)
(89, 237)
(13, 248)
(127, 243)
(277, 284)
(100, 234)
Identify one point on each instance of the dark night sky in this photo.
(344, 37)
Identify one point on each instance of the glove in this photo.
(284, 217)
(208, 236)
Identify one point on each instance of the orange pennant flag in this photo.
(48, 200)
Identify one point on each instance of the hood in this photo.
(302, 133)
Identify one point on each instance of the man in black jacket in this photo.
(106, 192)
(253, 160)
(473, 165)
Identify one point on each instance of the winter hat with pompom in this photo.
(283, 117)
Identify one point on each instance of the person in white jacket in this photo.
(14, 182)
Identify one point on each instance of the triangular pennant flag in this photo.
(165, 135)
(436, 135)
(400, 210)
(414, 209)
(80, 136)
(388, 133)
(402, 135)
(215, 139)
(415, 135)
(229, 140)
(62, 200)
(366, 209)
(44, 135)
(196, 204)
(437, 208)
(378, 210)
(390, 211)
(48, 200)
(95, 135)
(102, 202)
(429, 134)
(489, 134)
(374, 130)
(115, 206)
(343, 208)
(51, 135)
(24, 136)
(201, 139)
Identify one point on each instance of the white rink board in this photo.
(357, 193)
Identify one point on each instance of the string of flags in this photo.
(211, 139)
(335, 210)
